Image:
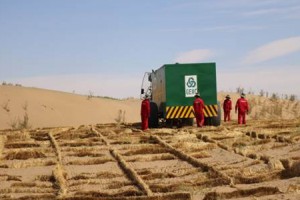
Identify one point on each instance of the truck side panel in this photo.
(200, 77)
(159, 88)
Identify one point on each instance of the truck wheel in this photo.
(216, 121)
(153, 119)
(188, 121)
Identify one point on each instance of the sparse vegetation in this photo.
(151, 167)
(18, 124)
(120, 119)
(5, 106)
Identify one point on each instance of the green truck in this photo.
(172, 88)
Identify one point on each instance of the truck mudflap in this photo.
(174, 112)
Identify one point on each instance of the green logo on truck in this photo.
(190, 85)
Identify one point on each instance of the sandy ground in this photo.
(106, 161)
(46, 108)
(58, 157)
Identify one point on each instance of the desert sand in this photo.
(46, 108)
(74, 151)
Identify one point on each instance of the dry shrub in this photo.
(24, 154)
(91, 161)
(257, 192)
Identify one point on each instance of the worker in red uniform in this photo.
(227, 106)
(145, 112)
(243, 108)
(198, 109)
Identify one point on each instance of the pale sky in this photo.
(105, 46)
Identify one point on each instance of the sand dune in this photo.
(47, 108)
(52, 108)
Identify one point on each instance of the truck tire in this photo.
(216, 121)
(153, 119)
(188, 121)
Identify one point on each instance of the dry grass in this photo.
(96, 161)
(143, 158)
(24, 154)
(159, 175)
(85, 152)
(146, 150)
(202, 154)
(118, 184)
(164, 188)
(194, 147)
(257, 192)
(99, 176)
(2, 143)
(107, 175)
(45, 178)
(18, 136)
(131, 174)
(56, 147)
(13, 145)
(26, 190)
(80, 143)
(129, 192)
(33, 163)
(60, 180)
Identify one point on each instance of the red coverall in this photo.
(198, 108)
(227, 106)
(243, 108)
(145, 113)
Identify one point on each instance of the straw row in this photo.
(131, 173)
(2, 142)
(58, 172)
(193, 161)
(101, 136)
(56, 147)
